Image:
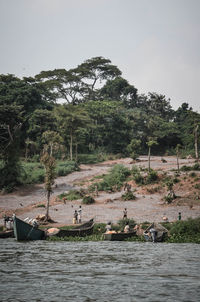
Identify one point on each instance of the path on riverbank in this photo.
(108, 206)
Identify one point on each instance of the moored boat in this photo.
(113, 236)
(26, 231)
(7, 234)
(158, 234)
(80, 231)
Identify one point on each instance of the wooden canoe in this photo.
(118, 236)
(25, 231)
(80, 231)
(7, 234)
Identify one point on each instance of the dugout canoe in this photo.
(78, 231)
(7, 234)
(118, 236)
(26, 231)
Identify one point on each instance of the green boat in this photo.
(25, 231)
(118, 236)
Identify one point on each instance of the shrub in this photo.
(192, 174)
(71, 195)
(87, 199)
(185, 168)
(66, 167)
(151, 177)
(128, 196)
(138, 178)
(187, 227)
(40, 206)
(114, 180)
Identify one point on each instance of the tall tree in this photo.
(49, 164)
(70, 118)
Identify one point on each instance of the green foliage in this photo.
(71, 195)
(151, 177)
(128, 196)
(137, 176)
(195, 167)
(40, 206)
(87, 199)
(123, 222)
(185, 231)
(66, 167)
(114, 180)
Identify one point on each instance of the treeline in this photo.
(88, 109)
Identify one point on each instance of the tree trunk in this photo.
(47, 205)
(76, 156)
(196, 142)
(71, 146)
(177, 159)
(149, 156)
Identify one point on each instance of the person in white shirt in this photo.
(79, 214)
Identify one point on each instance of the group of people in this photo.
(77, 215)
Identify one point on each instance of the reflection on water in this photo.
(98, 271)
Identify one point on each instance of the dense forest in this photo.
(90, 109)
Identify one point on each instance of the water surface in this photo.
(98, 271)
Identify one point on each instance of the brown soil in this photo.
(148, 206)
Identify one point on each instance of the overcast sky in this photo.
(155, 43)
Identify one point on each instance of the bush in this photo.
(87, 199)
(137, 176)
(71, 195)
(66, 167)
(151, 177)
(128, 196)
(114, 180)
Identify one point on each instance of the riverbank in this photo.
(148, 205)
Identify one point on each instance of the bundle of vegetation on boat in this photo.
(27, 231)
(82, 230)
(156, 232)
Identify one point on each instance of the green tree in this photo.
(51, 139)
(70, 118)
(150, 143)
(95, 71)
(49, 164)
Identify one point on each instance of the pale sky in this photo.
(155, 43)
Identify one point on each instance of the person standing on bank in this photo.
(125, 213)
(79, 214)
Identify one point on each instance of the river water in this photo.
(98, 271)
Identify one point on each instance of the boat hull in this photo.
(76, 232)
(118, 236)
(7, 234)
(25, 231)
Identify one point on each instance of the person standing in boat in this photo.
(79, 214)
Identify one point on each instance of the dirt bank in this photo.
(109, 206)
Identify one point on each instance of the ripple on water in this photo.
(98, 271)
